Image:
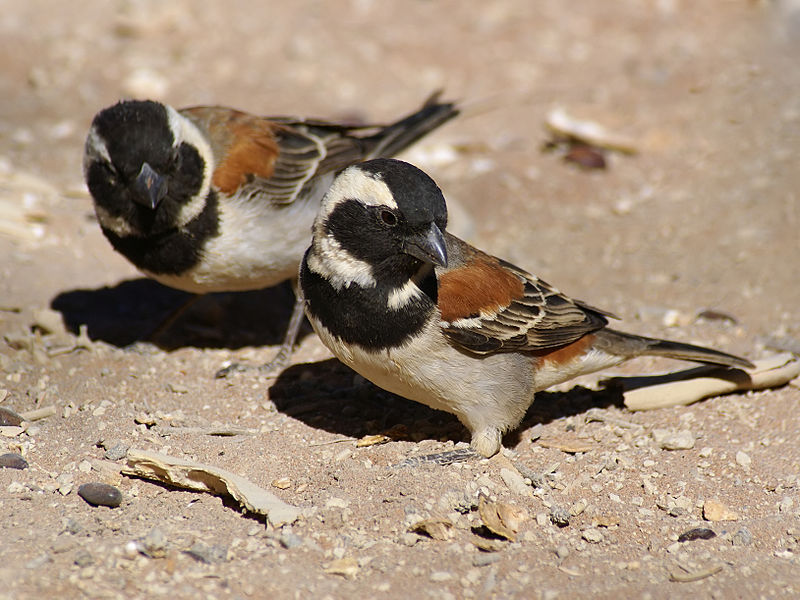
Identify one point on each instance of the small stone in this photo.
(484, 559)
(100, 494)
(207, 554)
(83, 558)
(542, 520)
(698, 533)
(578, 507)
(154, 544)
(290, 540)
(72, 526)
(515, 482)
(62, 545)
(12, 461)
(15, 487)
(674, 440)
(743, 459)
(85, 466)
(441, 576)
(8, 418)
(38, 562)
(116, 451)
(592, 535)
(562, 551)
(714, 510)
(786, 504)
(283, 483)
(743, 537)
(559, 516)
(65, 483)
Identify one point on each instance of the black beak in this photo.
(428, 246)
(149, 187)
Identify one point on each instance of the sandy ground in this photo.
(705, 216)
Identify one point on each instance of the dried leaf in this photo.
(206, 478)
(346, 567)
(691, 385)
(438, 529)
(372, 440)
(500, 518)
(487, 544)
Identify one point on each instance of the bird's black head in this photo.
(386, 214)
(144, 165)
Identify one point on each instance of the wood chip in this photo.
(685, 387)
(193, 475)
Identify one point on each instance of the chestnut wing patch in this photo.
(491, 306)
(244, 146)
(274, 157)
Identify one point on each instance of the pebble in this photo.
(207, 554)
(154, 544)
(743, 537)
(562, 551)
(100, 494)
(717, 511)
(674, 440)
(559, 515)
(592, 535)
(12, 461)
(83, 558)
(39, 561)
(484, 559)
(116, 451)
(698, 533)
(515, 482)
(441, 576)
(290, 540)
(8, 418)
(743, 459)
(15, 487)
(786, 504)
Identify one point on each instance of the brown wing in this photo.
(490, 306)
(275, 157)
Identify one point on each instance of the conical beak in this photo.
(428, 246)
(149, 187)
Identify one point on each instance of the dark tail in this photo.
(400, 135)
(626, 344)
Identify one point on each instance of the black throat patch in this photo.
(362, 316)
(174, 251)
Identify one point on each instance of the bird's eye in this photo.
(389, 218)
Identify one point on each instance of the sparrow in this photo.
(212, 199)
(423, 314)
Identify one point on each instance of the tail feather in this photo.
(629, 345)
(399, 135)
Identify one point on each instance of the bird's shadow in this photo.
(328, 395)
(144, 310)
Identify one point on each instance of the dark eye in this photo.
(389, 218)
